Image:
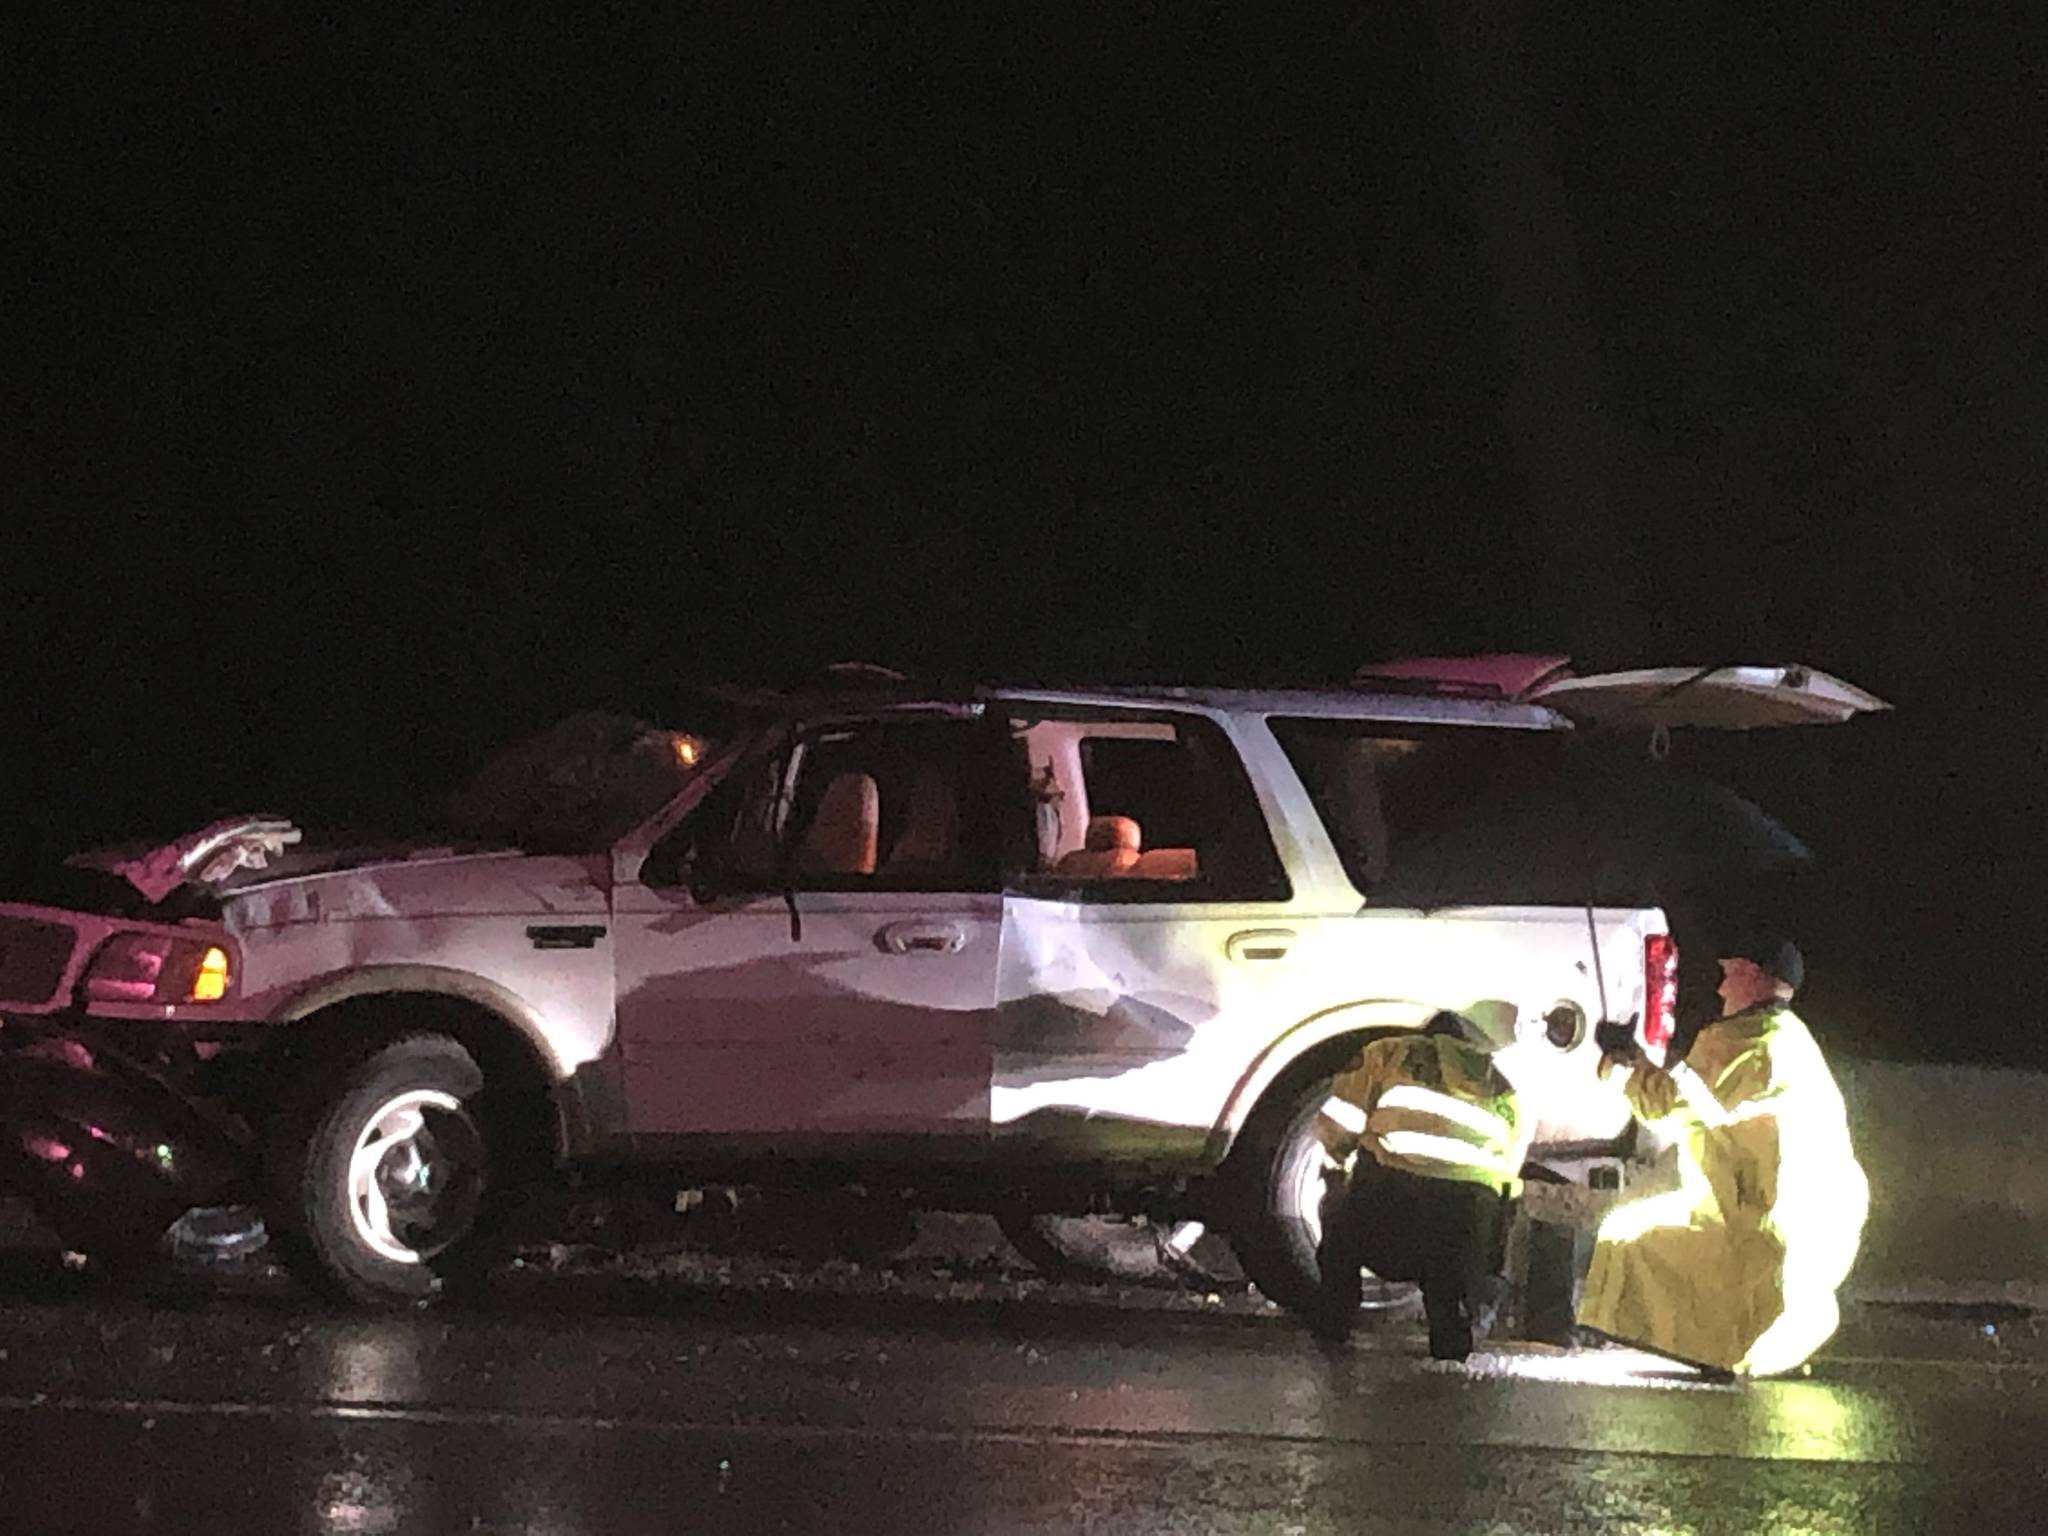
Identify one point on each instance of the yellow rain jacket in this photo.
(1737, 1267)
(1432, 1105)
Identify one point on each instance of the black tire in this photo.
(1273, 1234)
(1277, 1184)
(403, 1224)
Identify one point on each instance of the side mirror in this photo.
(670, 863)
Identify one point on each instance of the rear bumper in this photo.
(107, 1153)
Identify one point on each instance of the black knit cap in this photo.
(1774, 953)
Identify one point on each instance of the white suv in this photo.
(1057, 949)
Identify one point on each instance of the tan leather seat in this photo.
(1111, 850)
(842, 837)
(930, 816)
(1166, 864)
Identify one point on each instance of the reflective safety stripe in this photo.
(1346, 1114)
(1458, 1111)
(1712, 1112)
(1441, 1149)
(1694, 1090)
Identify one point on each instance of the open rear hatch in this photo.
(1710, 698)
(1723, 697)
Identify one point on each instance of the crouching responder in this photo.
(1432, 1171)
(1736, 1270)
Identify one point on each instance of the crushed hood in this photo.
(573, 788)
(242, 851)
(208, 858)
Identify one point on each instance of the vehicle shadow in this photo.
(935, 1301)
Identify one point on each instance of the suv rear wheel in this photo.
(380, 1187)
(1281, 1184)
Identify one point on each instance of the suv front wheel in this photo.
(380, 1187)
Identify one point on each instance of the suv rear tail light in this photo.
(1660, 990)
(158, 968)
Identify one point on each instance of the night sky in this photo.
(380, 386)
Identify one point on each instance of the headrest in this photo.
(1109, 834)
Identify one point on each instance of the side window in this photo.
(730, 842)
(896, 805)
(1380, 789)
(1142, 808)
(1343, 766)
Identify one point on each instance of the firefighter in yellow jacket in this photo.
(1433, 1166)
(1736, 1270)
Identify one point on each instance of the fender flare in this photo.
(384, 980)
(1370, 1016)
(581, 1106)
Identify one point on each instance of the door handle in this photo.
(1259, 944)
(565, 935)
(920, 938)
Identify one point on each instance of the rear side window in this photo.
(1378, 789)
(1134, 808)
(1153, 781)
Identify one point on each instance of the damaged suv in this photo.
(1093, 949)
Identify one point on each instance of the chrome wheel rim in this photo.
(1300, 1190)
(1301, 1184)
(415, 1176)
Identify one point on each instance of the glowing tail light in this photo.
(1660, 990)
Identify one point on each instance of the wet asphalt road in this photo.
(609, 1404)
